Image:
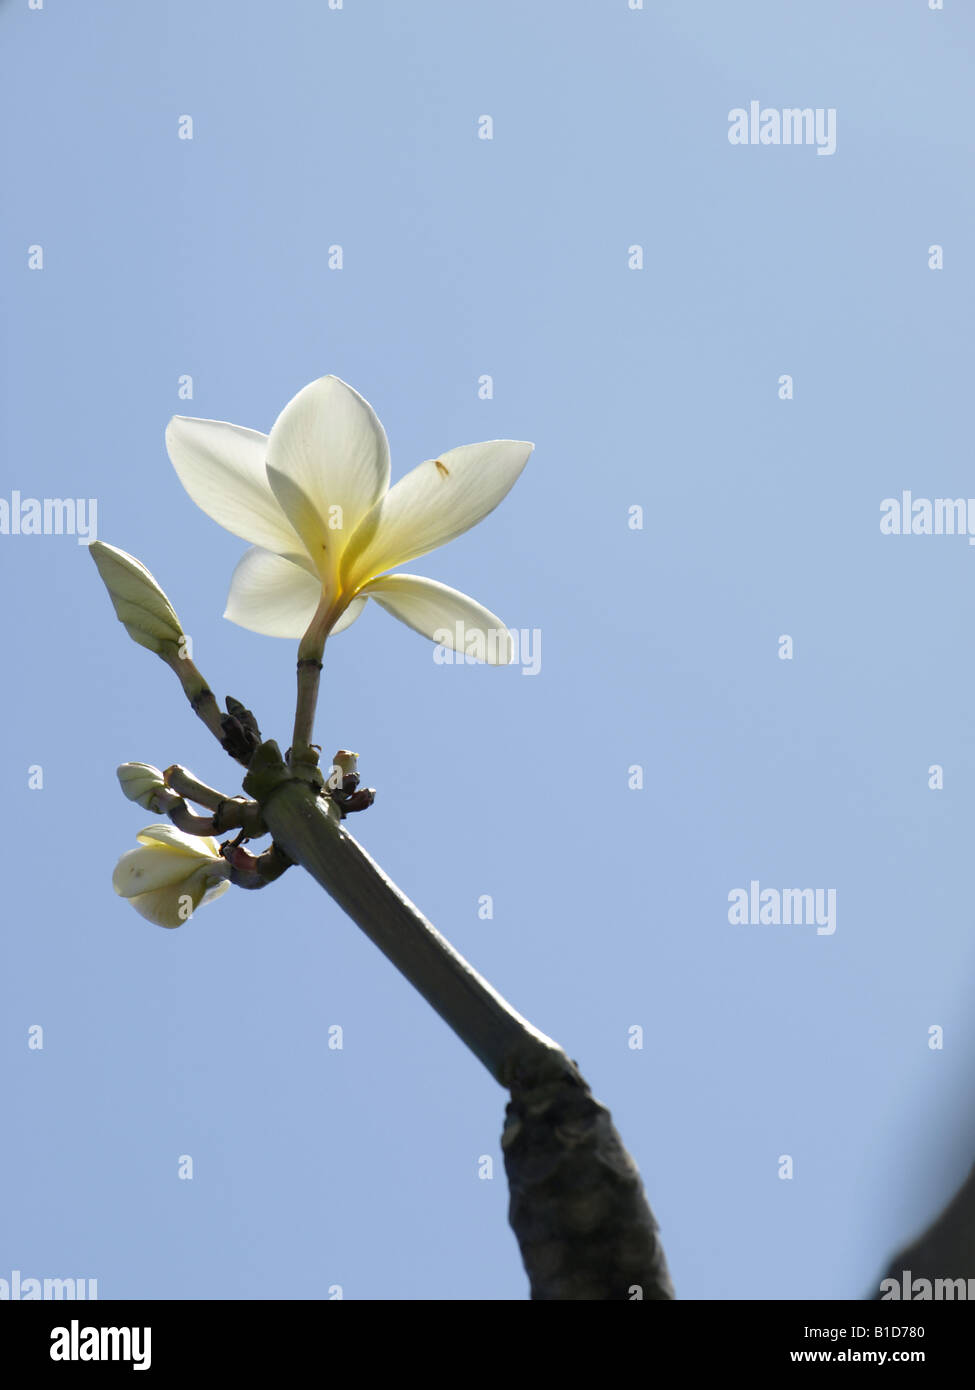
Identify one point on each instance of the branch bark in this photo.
(946, 1250)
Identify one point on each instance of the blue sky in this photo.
(315, 1168)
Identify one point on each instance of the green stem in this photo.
(196, 690)
(182, 781)
(309, 678)
(311, 650)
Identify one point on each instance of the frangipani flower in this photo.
(314, 500)
(171, 875)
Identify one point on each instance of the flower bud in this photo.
(342, 775)
(140, 782)
(168, 878)
(140, 604)
(346, 762)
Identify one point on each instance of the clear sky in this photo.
(659, 388)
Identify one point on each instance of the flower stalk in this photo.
(181, 780)
(303, 752)
(202, 700)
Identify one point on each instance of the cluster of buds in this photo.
(180, 866)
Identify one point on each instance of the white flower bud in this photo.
(141, 605)
(140, 782)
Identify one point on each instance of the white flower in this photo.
(171, 875)
(313, 498)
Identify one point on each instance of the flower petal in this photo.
(327, 463)
(163, 905)
(272, 595)
(216, 890)
(222, 468)
(438, 500)
(349, 616)
(167, 836)
(143, 870)
(445, 615)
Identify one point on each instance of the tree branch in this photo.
(945, 1251)
(577, 1205)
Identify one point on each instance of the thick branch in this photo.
(577, 1205)
(946, 1250)
(307, 829)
